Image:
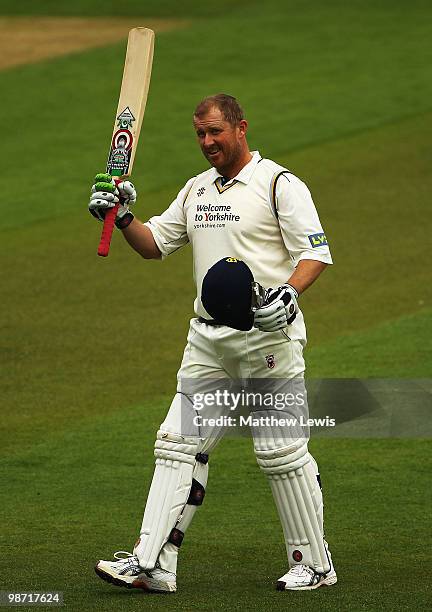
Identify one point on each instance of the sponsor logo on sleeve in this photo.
(318, 240)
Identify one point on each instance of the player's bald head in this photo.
(228, 106)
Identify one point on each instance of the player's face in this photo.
(221, 143)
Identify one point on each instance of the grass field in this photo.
(341, 94)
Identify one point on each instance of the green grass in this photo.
(340, 93)
(400, 348)
(107, 8)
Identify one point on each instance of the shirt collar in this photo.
(245, 174)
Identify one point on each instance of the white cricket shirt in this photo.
(264, 216)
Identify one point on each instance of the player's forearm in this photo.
(141, 240)
(306, 272)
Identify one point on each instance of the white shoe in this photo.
(126, 571)
(305, 578)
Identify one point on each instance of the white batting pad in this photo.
(169, 492)
(292, 473)
(169, 553)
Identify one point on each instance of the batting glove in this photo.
(106, 194)
(279, 309)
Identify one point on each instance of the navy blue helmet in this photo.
(228, 293)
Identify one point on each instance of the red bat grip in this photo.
(108, 228)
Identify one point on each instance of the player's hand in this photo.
(279, 309)
(106, 194)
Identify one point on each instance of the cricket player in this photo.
(249, 209)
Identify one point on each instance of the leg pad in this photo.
(292, 473)
(177, 489)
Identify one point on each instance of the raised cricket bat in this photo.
(129, 116)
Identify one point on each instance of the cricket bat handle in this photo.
(108, 227)
(107, 231)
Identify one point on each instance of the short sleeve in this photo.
(170, 228)
(300, 226)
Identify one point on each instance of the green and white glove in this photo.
(106, 194)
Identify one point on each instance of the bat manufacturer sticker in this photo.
(118, 160)
(125, 119)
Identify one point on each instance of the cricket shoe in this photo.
(126, 571)
(305, 578)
